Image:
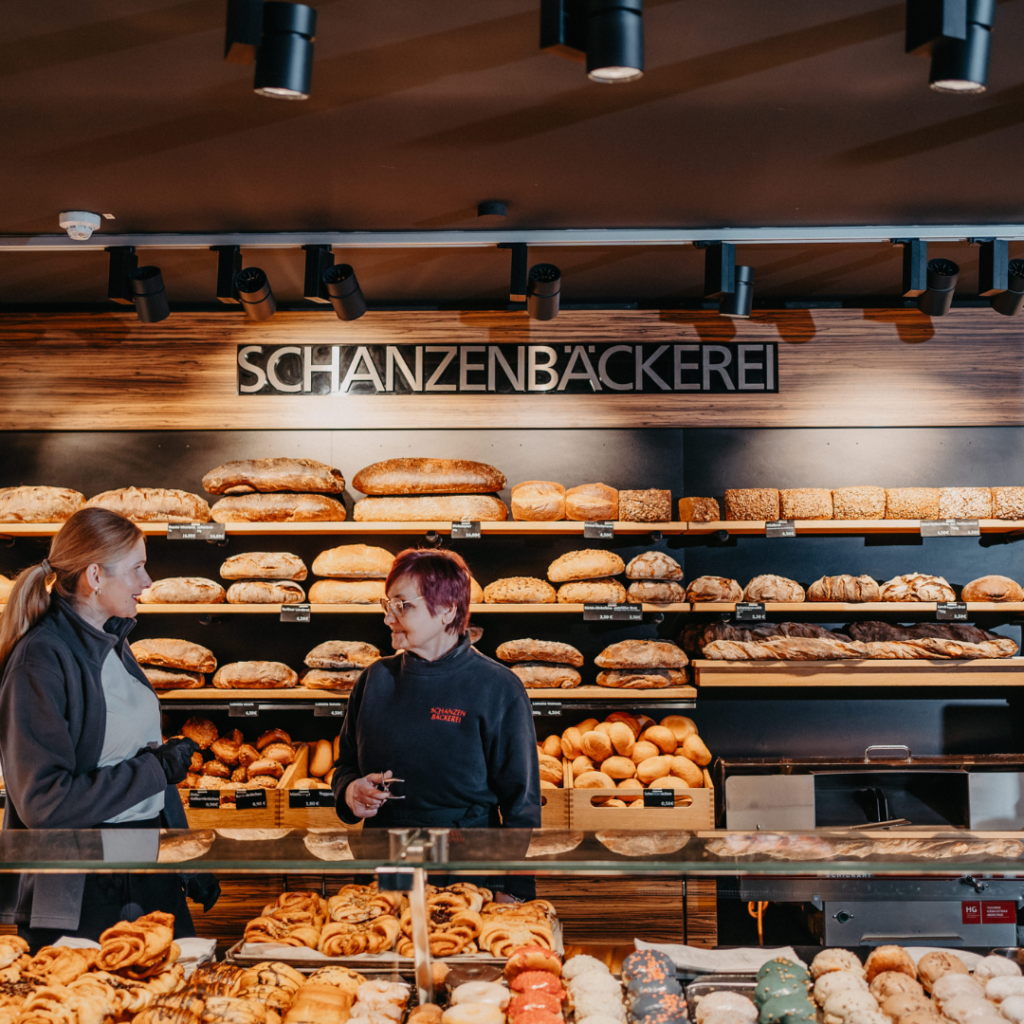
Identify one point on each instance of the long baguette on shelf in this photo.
(428, 476)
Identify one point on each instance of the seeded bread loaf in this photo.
(912, 503)
(965, 503)
(428, 476)
(353, 562)
(992, 588)
(752, 504)
(183, 590)
(346, 592)
(654, 565)
(699, 510)
(606, 591)
(714, 588)
(265, 592)
(649, 506)
(39, 504)
(762, 589)
(244, 476)
(278, 508)
(851, 589)
(540, 650)
(587, 564)
(180, 654)
(1008, 502)
(342, 655)
(655, 592)
(242, 675)
(173, 678)
(519, 590)
(862, 502)
(447, 508)
(264, 565)
(535, 673)
(592, 503)
(153, 505)
(538, 501)
(805, 503)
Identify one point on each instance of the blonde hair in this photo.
(91, 535)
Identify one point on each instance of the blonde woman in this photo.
(80, 740)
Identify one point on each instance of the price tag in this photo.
(466, 530)
(599, 529)
(208, 799)
(950, 528)
(780, 528)
(546, 707)
(299, 798)
(659, 798)
(328, 709)
(613, 613)
(243, 709)
(951, 611)
(295, 613)
(196, 531)
(250, 799)
(749, 611)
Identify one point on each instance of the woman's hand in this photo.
(363, 797)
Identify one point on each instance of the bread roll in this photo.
(699, 510)
(592, 503)
(447, 508)
(694, 748)
(346, 592)
(539, 650)
(552, 746)
(476, 594)
(654, 768)
(519, 590)
(326, 679)
(174, 654)
(805, 503)
(244, 476)
(752, 504)
(642, 750)
(641, 679)
(535, 673)
(992, 588)
(642, 654)
(278, 508)
(342, 655)
(153, 505)
(581, 765)
(39, 504)
(680, 725)
(650, 506)
(587, 564)
(606, 591)
(263, 565)
(762, 589)
(354, 562)
(862, 502)
(626, 718)
(662, 737)
(173, 678)
(265, 592)
(655, 592)
(714, 588)
(538, 501)
(429, 476)
(685, 769)
(240, 675)
(183, 590)
(6, 586)
(200, 730)
(572, 740)
(596, 745)
(1007, 502)
(654, 565)
(594, 780)
(618, 767)
(623, 739)
(550, 769)
(965, 503)
(851, 589)
(917, 586)
(912, 503)
(321, 759)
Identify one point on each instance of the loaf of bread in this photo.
(263, 565)
(714, 588)
(654, 565)
(183, 590)
(244, 476)
(519, 590)
(180, 654)
(476, 592)
(538, 501)
(429, 476)
(591, 503)
(6, 586)
(655, 592)
(807, 649)
(39, 504)
(912, 503)
(805, 503)
(346, 592)
(915, 586)
(588, 564)
(649, 506)
(862, 502)
(1008, 502)
(762, 589)
(606, 591)
(965, 503)
(540, 650)
(328, 679)
(256, 675)
(173, 678)
(699, 510)
(446, 508)
(278, 508)
(153, 505)
(851, 589)
(695, 637)
(535, 673)
(354, 562)
(867, 631)
(752, 504)
(642, 654)
(265, 592)
(992, 588)
(342, 655)
(641, 679)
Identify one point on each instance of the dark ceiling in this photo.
(787, 112)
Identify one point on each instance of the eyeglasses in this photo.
(397, 605)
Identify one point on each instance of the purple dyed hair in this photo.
(443, 578)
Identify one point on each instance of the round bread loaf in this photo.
(538, 501)
(153, 505)
(519, 590)
(992, 588)
(39, 504)
(346, 592)
(180, 654)
(325, 679)
(255, 675)
(592, 503)
(278, 508)
(602, 591)
(641, 678)
(915, 586)
(762, 589)
(429, 476)
(173, 678)
(445, 508)
(539, 650)
(354, 561)
(244, 476)
(655, 592)
(539, 674)
(642, 654)
(588, 564)
(844, 588)
(654, 565)
(714, 588)
(265, 592)
(342, 655)
(200, 730)
(263, 565)
(183, 590)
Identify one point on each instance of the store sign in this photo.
(601, 368)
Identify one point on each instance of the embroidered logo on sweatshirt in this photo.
(455, 715)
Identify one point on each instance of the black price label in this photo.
(243, 709)
(613, 613)
(328, 709)
(950, 528)
(659, 798)
(466, 530)
(300, 798)
(599, 529)
(207, 799)
(951, 611)
(295, 613)
(546, 707)
(749, 611)
(250, 799)
(780, 528)
(197, 531)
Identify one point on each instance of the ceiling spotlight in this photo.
(733, 286)
(738, 303)
(243, 30)
(255, 294)
(345, 294)
(937, 298)
(284, 63)
(957, 35)
(609, 34)
(1010, 301)
(543, 291)
(80, 224)
(150, 298)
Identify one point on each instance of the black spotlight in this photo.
(150, 298)
(255, 293)
(345, 294)
(543, 291)
(738, 303)
(608, 33)
(956, 34)
(1009, 302)
(284, 63)
(733, 286)
(937, 298)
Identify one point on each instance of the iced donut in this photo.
(484, 992)
(951, 985)
(523, 1002)
(839, 981)
(386, 1011)
(889, 983)
(594, 982)
(716, 1002)
(598, 1018)
(648, 963)
(868, 1017)
(587, 1004)
(655, 986)
(380, 993)
(847, 1002)
(1012, 1008)
(934, 965)
(998, 989)
(889, 958)
(835, 960)
(961, 1009)
(532, 958)
(725, 1016)
(929, 1016)
(540, 1017)
(541, 981)
(473, 1013)
(577, 965)
(373, 1016)
(899, 1004)
(996, 967)
(425, 1013)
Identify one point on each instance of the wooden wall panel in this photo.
(107, 371)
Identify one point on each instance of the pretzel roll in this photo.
(680, 725)
(596, 745)
(653, 768)
(622, 738)
(644, 722)
(226, 749)
(247, 753)
(264, 766)
(283, 753)
(694, 748)
(618, 767)
(572, 742)
(683, 768)
(628, 719)
(662, 737)
(552, 746)
(643, 750)
(581, 765)
(594, 780)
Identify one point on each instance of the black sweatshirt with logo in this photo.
(458, 730)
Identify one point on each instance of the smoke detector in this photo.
(79, 224)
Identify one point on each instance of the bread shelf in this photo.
(860, 673)
(864, 608)
(811, 527)
(375, 609)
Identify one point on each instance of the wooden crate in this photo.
(554, 803)
(229, 816)
(694, 810)
(303, 817)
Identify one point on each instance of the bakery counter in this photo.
(811, 527)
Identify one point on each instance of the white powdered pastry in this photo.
(576, 965)
(718, 1002)
(587, 1004)
(594, 981)
(949, 986)
(869, 1017)
(724, 1016)
(838, 981)
(388, 1010)
(962, 1009)
(998, 989)
(835, 960)
(996, 967)
(845, 1003)
(597, 1018)
(1012, 1008)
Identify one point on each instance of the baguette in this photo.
(39, 504)
(183, 590)
(180, 654)
(153, 505)
(265, 592)
(242, 675)
(245, 476)
(354, 561)
(264, 565)
(278, 508)
(429, 476)
(447, 508)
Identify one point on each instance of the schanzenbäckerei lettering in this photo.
(601, 368)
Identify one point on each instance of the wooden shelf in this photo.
(811, 527)
(262, 695)
(613, 693)
(860, 673)
(375, 609)
(578, 693)
(867, 607)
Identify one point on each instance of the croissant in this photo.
(11, 947)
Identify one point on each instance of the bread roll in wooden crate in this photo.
(228, 815)
(694, 809)
(304, 817)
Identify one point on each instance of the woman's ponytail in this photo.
(26, 605)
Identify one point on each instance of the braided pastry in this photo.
(51, 1004)
(348, 938)
(500, 936)
(193, 1002)
(274, 974)
(140, 944)
(11, 948)
(230, 1010)
(132, 996)
(140, 971)
(363, 902)
(276, 1000)
(169, 980)
(343, 978)
(217, 979)
(165, 1015)
(58, 965)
